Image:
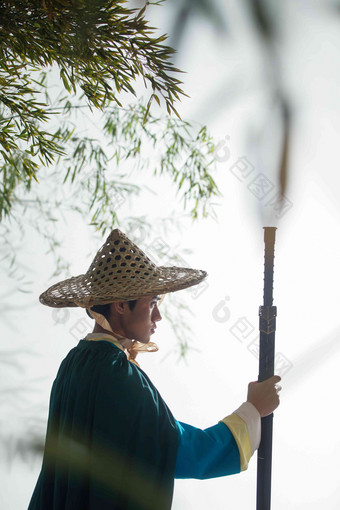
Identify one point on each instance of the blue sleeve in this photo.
(208, 453)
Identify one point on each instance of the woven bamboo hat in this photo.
(120, 271)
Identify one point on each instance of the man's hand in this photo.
(264, 395)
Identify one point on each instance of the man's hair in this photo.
(105, 309)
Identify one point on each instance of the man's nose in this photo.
(156, 315)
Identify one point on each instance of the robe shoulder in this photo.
(98, 376)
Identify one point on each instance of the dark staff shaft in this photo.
(267, 315)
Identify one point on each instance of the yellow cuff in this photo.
(239, 430)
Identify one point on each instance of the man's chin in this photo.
(144, 340)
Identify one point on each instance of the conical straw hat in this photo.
(119, 272)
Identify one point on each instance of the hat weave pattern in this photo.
(120, 271)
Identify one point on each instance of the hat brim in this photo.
(83, 292)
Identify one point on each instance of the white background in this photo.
(227, 81)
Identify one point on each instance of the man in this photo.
(112, 443)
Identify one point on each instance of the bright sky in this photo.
(226, 80)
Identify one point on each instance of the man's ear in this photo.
(119, 307)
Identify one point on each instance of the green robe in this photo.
(111, 441)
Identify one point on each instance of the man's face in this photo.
(140, 323)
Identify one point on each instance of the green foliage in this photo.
(87, 178)
(51, 164)
(99, 46)
(179, 150)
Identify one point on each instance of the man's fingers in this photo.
(273, 380)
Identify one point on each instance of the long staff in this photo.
(267, 314)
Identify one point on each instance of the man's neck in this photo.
(98, 329)
(119, 335)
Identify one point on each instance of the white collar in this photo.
(122, 343)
